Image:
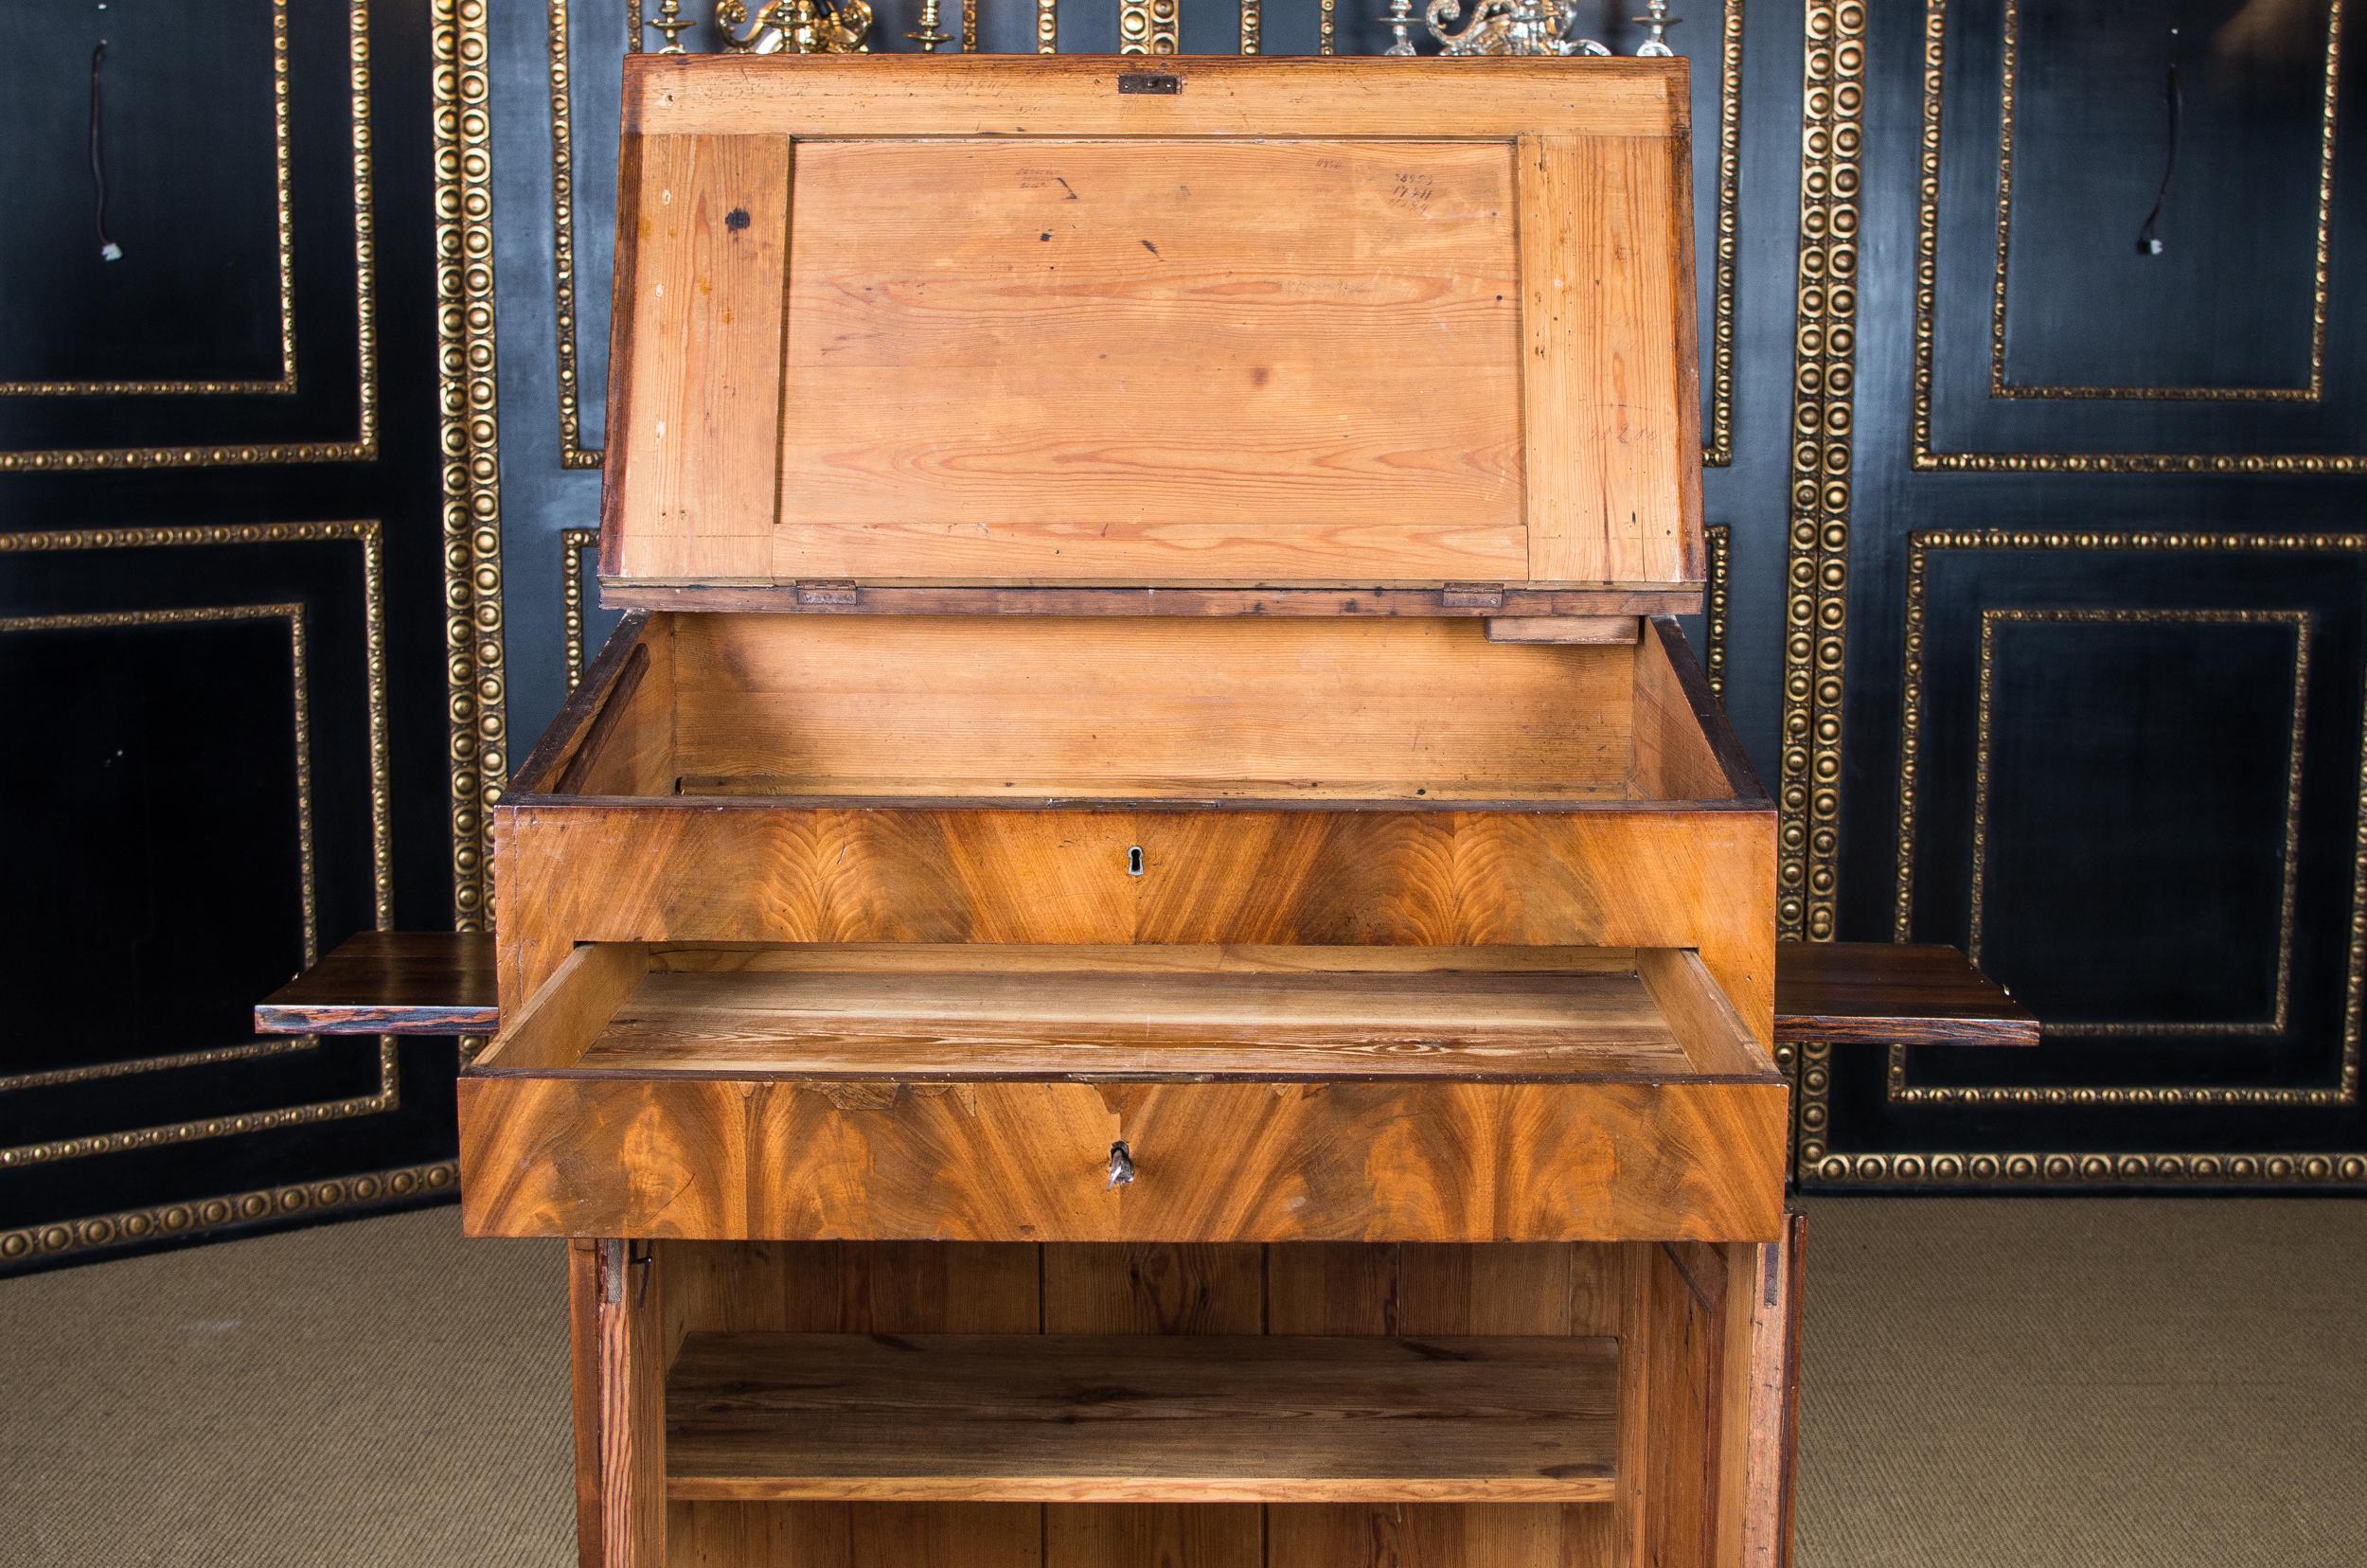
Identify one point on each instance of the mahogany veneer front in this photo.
(1310, 1095)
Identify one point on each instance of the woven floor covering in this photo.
(2024, 1384)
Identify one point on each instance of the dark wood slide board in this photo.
(435, 981)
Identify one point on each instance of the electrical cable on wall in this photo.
(2148, 239)
(108, 249)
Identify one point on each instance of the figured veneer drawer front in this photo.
(1617, 1096)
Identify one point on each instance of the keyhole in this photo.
(1134, 861)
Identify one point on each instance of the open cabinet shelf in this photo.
(1140, 1418)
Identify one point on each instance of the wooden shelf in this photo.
(1080, 1418)
(391, 982)
(1886, 993)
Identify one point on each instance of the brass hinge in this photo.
(828, 593)
(618, 1259)
(1471, 596)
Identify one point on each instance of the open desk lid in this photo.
(1260, 331)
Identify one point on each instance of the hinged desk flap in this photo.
(983, 324)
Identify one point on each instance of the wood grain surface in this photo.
(676, 872)
(958, 1021)
(831, 1287)
(1706, 1312)
(695, 405)
(391, 982)
(1892, 993)
(1021, 707)
(1220, 337)
(1125, 361)
(1060, 1417)
(919, 1140)
(1079, 96)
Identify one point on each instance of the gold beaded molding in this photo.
(472, 446)
(571, 543)
(363, 447)
(129, 1227)
(1716, 600)
(1151, 27)
(1720, 450)
(2073, 1169)
(1817, 554)
(572, 451)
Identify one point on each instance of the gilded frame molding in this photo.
(1816, 561)
(286, 381)
(1899, 1088)
(2311, 391)
(476, 677)
(1924, 456)
(2298, 621)
(1716, 602)
(572, 597)
(228, 1211)
(1160, 22)
(363, 447)
(369, 534)
(1815, 1158)
(1155, 27)
(573, 453)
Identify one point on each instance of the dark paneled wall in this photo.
(223, 613)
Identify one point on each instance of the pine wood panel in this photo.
(1057, 1417)
(1615, 490)
(1120, 361)
(1214, 338)
(695, 402)
(853, 1287)
(1543, 1290)
(620, 1387)
(1682, 748)
(1184, 1288)
(1028, 706)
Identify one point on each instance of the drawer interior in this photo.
(942, 1013)
(1032, 708)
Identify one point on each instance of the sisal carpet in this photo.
(2031, 1383)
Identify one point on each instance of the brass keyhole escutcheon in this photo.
(1134, 861)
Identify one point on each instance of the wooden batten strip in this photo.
(985, 96)
(695, 432)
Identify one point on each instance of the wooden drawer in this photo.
(982, 1093)
(849, 778)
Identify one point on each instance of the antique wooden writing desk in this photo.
(1146, 948)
